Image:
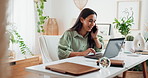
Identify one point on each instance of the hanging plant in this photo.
(15, 38)
(40, 12)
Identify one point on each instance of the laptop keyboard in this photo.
(97, 56)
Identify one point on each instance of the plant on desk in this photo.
(124, 24)
(15, 38)
(129, 43)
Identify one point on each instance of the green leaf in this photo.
(45, 0)
(42, 30)
(124, 25)
(38, 31)
(40, 13)
(38, 23)
(41, 26)
(38, 10)
(41, 21)
(42, 18)
(42, 6)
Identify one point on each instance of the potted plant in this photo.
(129, 43)
(124, 24)
(15, 38)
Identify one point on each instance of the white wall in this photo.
(65, 10)
(144, 14)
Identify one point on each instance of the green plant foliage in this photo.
(22, 45)
(15, 37)
(129, 38)
(41, 18)
(124, 24)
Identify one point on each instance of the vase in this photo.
(51, 27)
(139, 42)
(11, 52)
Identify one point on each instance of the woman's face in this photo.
(89, 22)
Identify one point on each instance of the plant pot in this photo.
(11, 51)
(128, 46)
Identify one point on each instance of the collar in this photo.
(76, 34)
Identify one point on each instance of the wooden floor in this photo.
(130, 74)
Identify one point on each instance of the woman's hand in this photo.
(94, 35)
(84, 53)
(89, 50)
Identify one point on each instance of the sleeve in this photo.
(100, 38)
(64, 48)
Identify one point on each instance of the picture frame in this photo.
(104, 29)
(135, 5)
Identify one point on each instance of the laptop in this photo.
(112, 49)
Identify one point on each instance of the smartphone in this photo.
(94, 29)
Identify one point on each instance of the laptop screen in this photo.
(113, 47)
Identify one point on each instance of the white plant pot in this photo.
(128, 46)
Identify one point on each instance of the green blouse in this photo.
(71, 41)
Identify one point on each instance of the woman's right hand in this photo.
(86, 52)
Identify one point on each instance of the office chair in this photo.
(49, 47)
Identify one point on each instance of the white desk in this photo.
(131, 61)
(108, 73)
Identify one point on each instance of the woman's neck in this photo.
(82, 32)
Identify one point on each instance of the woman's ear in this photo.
(81, 19)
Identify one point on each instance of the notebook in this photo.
(112, 49)
(71, 68)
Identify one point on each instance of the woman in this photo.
(81, 39)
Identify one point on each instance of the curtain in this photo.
(22, 13)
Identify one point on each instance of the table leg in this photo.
(124, 74)
(144, 69)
